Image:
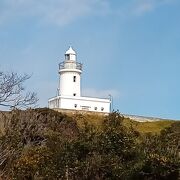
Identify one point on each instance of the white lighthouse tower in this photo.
(70, 75)
(69, 90)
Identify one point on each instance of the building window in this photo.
(74, 78)
(95, 108)
(102, 109)
(74, 94)
(75, 105)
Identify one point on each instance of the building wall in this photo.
(81, 103)
(67, 86)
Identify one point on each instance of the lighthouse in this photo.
(69, 89)
(70, 75)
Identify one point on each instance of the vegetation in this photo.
(12, 91)
(149, 127)
(45, 144)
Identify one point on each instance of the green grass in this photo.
(148, 127)
(142, 127)
(97, 119)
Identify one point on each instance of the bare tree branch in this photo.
(12, 91)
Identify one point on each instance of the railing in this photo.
(70, 65)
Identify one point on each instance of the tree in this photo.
(161, 154)
(46, 144)
(12, 91)
(32, 143)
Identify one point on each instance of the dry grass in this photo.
(92, 118)
(1, 122)
(142, 127)
(148, 127)
(97, 119)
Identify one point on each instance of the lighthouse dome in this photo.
(70, 51)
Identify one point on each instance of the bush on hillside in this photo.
(160, 153)
(27, 130)
(45, 144)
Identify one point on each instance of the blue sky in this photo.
(130, 49)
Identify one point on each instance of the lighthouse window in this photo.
(67, 57)
(74, 94)
(95, 108)
(102, 109)
(74, 78)
(75, 105)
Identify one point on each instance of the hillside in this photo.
(46, 144)
(147, 125)
(140, 123)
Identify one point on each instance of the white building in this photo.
(69, 90)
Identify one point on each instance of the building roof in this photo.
(70, 51)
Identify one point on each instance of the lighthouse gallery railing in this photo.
(70, 65)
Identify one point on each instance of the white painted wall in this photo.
(67, 85)
(80, 103)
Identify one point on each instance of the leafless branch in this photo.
(12, 93)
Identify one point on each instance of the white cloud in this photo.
(100, 93)
(63, 12)
(143, 6)
(60, 12)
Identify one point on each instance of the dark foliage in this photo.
(45, 144)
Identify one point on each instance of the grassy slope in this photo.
(143, 127)
(96, 119)
(148, 127)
